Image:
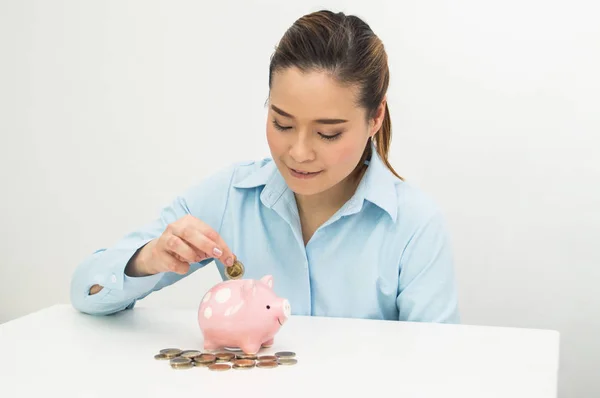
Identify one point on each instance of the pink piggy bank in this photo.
(243, 313)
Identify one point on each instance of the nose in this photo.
(301, 152)
(286, 307)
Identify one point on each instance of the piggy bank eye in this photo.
(268, 307)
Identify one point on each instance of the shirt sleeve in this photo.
(105, 267)
(427, 287)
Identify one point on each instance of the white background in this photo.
(108, 109)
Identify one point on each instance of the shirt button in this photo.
(113, 278)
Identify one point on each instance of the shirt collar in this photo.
(378, 186)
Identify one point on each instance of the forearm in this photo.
(113, 279)
(139, 264)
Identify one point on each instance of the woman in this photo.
(340, 231)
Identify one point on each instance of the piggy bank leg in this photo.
(209, 345)
(250, 347)
(268, 343)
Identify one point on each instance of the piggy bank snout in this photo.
(287, 309)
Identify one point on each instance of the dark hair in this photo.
(346, 46)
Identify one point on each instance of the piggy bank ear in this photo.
(248, 289)
(268, 279)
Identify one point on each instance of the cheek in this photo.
(273, 139)
(346, 154)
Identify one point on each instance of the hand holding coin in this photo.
(185, 241)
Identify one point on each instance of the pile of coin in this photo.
(221, 361)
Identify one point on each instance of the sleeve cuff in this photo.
(116, 285)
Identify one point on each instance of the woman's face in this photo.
(316, 131)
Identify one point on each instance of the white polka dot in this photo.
(237, 307)
(233, 309)
(206, 297)
(223, 295)
(208, 312)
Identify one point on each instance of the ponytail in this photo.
(383, 139)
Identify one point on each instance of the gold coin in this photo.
(244, 363)
(191, 354)
(202, 365)
(236, 271)
(267, 364)
(245, 356)
(285, 354)
(220, 366)
(161, 357)
(224, 356)
(267, 358)
(183, 366)
(287, 361)
(241, 367)
(205, 358)
(171, 352)
(181, 363)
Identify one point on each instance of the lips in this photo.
(280, 324)
(304, 172)
(303, 175)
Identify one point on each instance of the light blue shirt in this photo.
(386, 254)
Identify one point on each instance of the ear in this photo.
(248, 289)
(378, 118)
(268, 279)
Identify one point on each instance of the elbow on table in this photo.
(90, 300)
(87, 305)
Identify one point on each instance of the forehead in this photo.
(313, 95)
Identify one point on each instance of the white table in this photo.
(58, 351)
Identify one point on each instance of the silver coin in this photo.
(287, 361)
(190, 354)
(285, 354)
(170, 352)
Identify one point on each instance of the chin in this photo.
(305, 191)
(307, 188)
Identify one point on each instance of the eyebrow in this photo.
(322, 121)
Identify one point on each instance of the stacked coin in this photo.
(221, 361)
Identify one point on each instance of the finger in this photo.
(225, 256)
(173, 264)
(201, 257)
(182, 251)
(193, 232)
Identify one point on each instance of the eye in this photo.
(268, 307)
(330, 137)
(279, 126)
